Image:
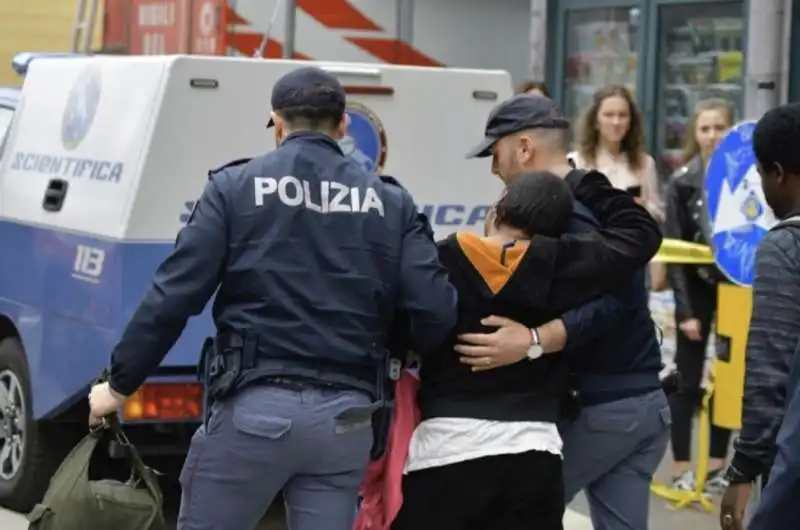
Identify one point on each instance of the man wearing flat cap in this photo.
(309, 256)
(621, 416)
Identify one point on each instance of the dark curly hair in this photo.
(588, 135)
(776, 139)
(536, 203)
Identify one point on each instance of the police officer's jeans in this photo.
(311, 443)
(612, 451)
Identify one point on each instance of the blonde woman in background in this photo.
(610, 138)
(695, 290)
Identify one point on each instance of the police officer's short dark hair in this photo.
(312, 118)
(776, 139)
(536, 203)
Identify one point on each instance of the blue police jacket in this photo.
(612, 349)
(312, 256)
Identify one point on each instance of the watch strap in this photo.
(535, 339)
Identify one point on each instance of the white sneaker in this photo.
(684, 481)
(716, 482)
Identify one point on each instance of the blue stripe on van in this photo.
(69, 322)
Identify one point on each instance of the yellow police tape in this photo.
(676, 251)
(734, 304)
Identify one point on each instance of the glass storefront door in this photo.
(601, 48)
(671, 53)
(700, 56)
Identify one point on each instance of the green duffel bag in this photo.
(73, 502)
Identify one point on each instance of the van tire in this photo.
(40, 456)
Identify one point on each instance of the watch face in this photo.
(535, 352)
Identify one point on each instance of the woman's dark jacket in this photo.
(688, 220)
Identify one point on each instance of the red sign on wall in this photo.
(205, 27)
(159, 27)
(116, 21)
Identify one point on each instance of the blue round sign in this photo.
(737, 210)
(365, 141)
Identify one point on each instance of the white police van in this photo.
(103, 161)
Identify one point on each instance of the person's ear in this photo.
(780, 174)
(341, 128)
(525, 149)
(279, 127)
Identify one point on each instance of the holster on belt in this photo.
(382, 417)
(671, 382)
(220, 366)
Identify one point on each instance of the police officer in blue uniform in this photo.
(313, 256)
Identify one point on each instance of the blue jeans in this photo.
(612, 451)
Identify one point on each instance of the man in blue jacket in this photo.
(309, 255)
(615, 444)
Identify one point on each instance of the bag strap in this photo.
(139, 469)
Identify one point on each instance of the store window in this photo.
(700, 54)
(601, 49)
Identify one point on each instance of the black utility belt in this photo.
(299, 384)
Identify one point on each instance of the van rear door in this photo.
(417, 124)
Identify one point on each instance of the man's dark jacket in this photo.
(531, 283)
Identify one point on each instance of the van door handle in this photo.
(55, 194)
(352, 71)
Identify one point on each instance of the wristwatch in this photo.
(535, 351)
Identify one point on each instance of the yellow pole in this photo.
(734, 307)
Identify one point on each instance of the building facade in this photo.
(35, 25)
(669, 53)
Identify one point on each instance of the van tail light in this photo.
(165, 402)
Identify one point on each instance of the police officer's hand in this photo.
(732, 508)
(509, 344)
(104, 401)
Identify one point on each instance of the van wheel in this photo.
(27, 458)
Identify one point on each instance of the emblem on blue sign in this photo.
(365, 141)
(738, 213)
(79, 113)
